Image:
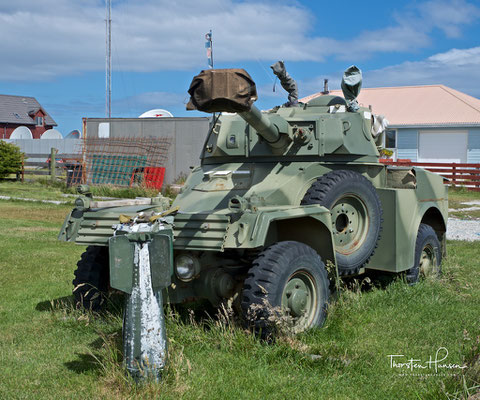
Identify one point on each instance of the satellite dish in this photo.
(51, 134)
(156, 113)
(75, 134)
(22, 132)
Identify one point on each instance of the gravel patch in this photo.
(460, 229)
(472, 203)
(96, 197)
(34, 200)
(464, 209)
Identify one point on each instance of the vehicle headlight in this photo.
(79, 202)
(186, 267)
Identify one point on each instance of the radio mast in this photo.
(108, 58)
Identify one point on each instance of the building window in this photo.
(391, 139)
(39, 121)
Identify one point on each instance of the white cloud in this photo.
(449, 16)
(456, 68)
(44, 39)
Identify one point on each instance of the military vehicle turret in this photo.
(279, 196)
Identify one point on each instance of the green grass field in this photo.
(457, 198)
(45, 190)
(48, 350)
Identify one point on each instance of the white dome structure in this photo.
(51, 134)
(156, 113)
(22, 132)
(75, 134)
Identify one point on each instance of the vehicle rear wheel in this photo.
(287, 283)
(91, 282)
(356, 216)
(428, 256)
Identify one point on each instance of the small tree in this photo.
(10, 159)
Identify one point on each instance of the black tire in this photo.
(91, 282)
(428, 256)
(356, 216)
(276, 272)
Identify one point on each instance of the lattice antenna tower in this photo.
(108, 58)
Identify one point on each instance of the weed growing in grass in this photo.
(469, 379)
(170, 191)
(471, 375)
(120, 192)
(181, 178)
(104, 190)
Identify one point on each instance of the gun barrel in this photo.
(234, 91)
(261, 123)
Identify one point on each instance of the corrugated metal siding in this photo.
(407, 144)
(43, 146)
(409, 154)
(473, 154)
(188, 136)
(407, 138)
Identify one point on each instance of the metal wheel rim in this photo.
(428, 262)
(300, 300)
(350, 223)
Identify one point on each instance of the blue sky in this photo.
(54, 50)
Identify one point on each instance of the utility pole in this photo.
(108, 58)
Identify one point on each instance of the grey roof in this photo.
(16, 109)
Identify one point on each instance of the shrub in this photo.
(10, 159)
(387, 153)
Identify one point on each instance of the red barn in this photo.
(18, 111)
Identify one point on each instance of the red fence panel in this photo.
(154, 177)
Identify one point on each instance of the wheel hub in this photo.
(299, 299)
(297, 296)
(428, 262)
(349, 223)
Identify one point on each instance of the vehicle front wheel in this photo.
(287, 286)
(92, 276)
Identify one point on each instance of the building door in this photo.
(442, 146)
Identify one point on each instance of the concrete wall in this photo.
(188, 137)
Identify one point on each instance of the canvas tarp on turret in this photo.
(351, 85)
(222, 90)
(287, 82)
